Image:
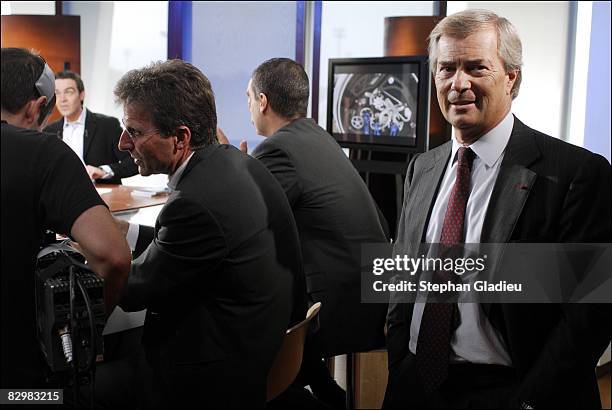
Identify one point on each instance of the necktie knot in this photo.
(465, 157)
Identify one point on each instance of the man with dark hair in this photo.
(221, 272)
(334, 212)
(92, 136)
(43, 187)
(497, 181)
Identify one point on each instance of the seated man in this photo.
(334, 212)
(221, 272)
(92, 136)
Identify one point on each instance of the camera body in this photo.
(53, 307)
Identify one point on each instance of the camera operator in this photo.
(44, 186)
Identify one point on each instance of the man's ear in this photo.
(512, 76)
(263, 102)
(82, 96)
(183, 137)
(32, 111)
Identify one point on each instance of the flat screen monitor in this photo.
(379, 101)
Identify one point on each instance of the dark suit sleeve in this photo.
(587, 207)
(584, 332)
(188, 246)
(124, 166)
(146, 234)
(398, 324)
(281, 166)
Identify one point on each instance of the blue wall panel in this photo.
(229, 40)
(597, 121)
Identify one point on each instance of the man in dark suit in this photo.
(497, 181)
(220, 274)
(334, 212)
(92, 136)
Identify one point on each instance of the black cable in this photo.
(92, 343)
(73, 327)
(92, 339)
(367, 175)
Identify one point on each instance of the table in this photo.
(121, 198)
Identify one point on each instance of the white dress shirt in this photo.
(475, 340)
(134, 229)
(73, 133)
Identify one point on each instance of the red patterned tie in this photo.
(439, 319)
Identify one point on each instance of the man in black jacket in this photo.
(334, 212)
(220, 274)
(92, 136)
(513, 184)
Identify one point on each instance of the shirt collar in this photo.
(175, 178)
(79, 121)
(490, 146)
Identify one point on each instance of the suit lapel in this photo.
(60, 132)
(512, 187)
(428, 189)
(510, 193)
(422, 193)
(88, 134)
(423, 190)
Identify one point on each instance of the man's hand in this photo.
(243, 146)
(94, 172)
(222, 138)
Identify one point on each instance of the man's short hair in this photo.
(285, 84)
(462, 24)
(174, 93)
(71, 75)
(21, 69)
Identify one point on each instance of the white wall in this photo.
(28, 7)
(543, 29)
(115, 38)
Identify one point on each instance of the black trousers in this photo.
(468, 386)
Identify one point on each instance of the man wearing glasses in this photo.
(220, 275)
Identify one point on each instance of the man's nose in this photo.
(461, 82)
(125, 142)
